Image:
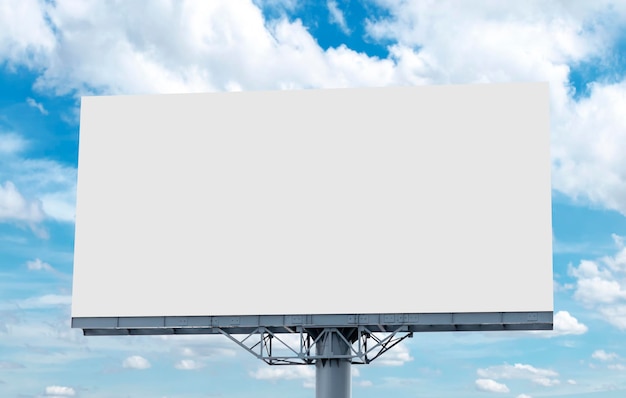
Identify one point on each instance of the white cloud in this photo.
(37, 105)
(136, 362)
(208, 46)
(51, 185)
(25, 37)
(602, 355)
(305, 373)
(616, 366)
(46, 188)
(38, 265)
(546, 382)
(11, 144)
(363, 383)
(589, 143)
(491, 386)
(224, 45)
(178, 46)
(461, 43)
(517, 371)
(60, 391)
(45, 301)
(395, 382)
(543, 377)
(524, 396)
(601, 285)
(397, 356)
(566, 324)
(188, 364)
(13, 206)
(337, 17)
(572, 382)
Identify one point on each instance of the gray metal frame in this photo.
(361, 344)
(378, 323)
(331, 342)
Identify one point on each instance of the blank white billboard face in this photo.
(386, 200)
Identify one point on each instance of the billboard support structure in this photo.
(359, 345)
(431, 184)
(333, 377)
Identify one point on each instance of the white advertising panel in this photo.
(373, 200)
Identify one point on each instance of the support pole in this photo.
(332, 376)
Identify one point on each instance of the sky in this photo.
(54, 52)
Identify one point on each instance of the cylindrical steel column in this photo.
(332, 376)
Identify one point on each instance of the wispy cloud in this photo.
(13, 206)
(37, 105)
(304, 373)
(11, 143)
(602, 355)
(543, 377)
(10, 365)
(39, 302)
(336, 16)
(38, 265)
(188, 364)
(517, 371)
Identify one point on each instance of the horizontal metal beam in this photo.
(384, 323)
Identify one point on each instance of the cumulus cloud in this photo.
(524, 396)
(185, 46)
(589, 144)
(136, 362)
(209, 46)
(601, 285)
(25, 38)
(566, 324)
(451, 42)
(490, 385)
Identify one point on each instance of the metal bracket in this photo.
(316, 344)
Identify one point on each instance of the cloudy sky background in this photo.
(52, 52)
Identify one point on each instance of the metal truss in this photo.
(318, 344)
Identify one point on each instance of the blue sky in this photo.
(52, 52)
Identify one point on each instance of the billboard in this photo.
(395, 200)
